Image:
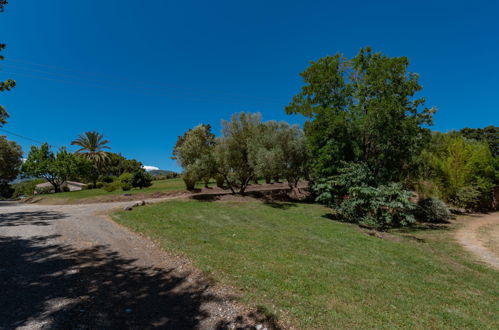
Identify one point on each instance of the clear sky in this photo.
(143, 72)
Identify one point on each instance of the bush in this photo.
(220, 181)
(109, 187)
(26, 188)
(332, 190)
(378, 207)
(466, 197)
(107, 179)
(141, 179)
(189, 180)
(125, 181)
(99, 185)
(125, 186)
(44, 190)
(433, 210)
(6, 190)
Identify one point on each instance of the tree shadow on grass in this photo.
(91, 288)
(31, 218)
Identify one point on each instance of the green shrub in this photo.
(99, 185)
(125, 181)
(190, 180)
(26, 188)
(378, 207)
(466, 197)
(107, 178)
(332, 190)
(141, 179)
(432, 210)
(219, 179)
(125, 186)
(109, 187)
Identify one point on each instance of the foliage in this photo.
(489, 134)
(10, 160)
(55, 168)
(279, 150)
(141, 179)
(433, 210)
(6, 85)
(219, 179)
(333, 190)
(125, 181)
(233, 150)
(194, 152)
(189, 179)
(26, 188)
(110, 187)
(379, 207)
(92, 145)
(462, 170)
(116, 164)
(362, 110)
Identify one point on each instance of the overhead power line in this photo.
(149, 85)
(23, 137)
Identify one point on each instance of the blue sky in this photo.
(144, 72)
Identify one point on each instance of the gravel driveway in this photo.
(65, 267)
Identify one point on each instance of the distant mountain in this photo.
(163, 173)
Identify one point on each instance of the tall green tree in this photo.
(93, 147)
(362, 109)
(55, 168)
(10, 160)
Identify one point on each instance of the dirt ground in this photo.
(66, 267)
(479, 234)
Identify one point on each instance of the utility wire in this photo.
(136, 89)
(122, 79)
(22, 136)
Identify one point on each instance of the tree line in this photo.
(248, 149)
(365, 147)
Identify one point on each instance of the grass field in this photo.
(313, 272)
(90, 195)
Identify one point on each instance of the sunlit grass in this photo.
(317, 273)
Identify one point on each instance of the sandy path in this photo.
(65, 267)
(472, 239)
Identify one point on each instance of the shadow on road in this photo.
(33, 218)
(91, 288)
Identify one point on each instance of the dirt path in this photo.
(65, 267)
(478, 234)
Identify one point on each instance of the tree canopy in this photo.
(362, 109)
(55, 168)
(92, 146)
(10, 160)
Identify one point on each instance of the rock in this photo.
(259, 327)
(127, 208)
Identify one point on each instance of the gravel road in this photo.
(66, 267)
(469, 237)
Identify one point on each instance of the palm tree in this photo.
(92, 147)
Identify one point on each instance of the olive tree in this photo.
(194, 153)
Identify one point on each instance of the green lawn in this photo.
(317, 273)
(100, 194)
